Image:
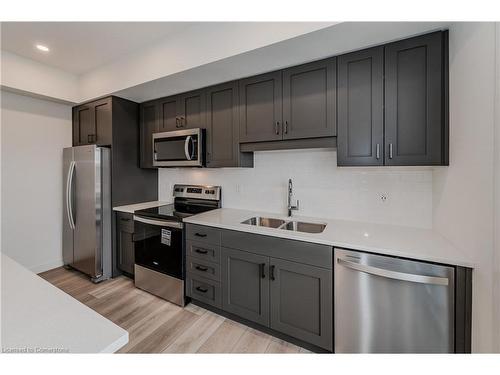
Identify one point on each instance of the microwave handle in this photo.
(189, 155)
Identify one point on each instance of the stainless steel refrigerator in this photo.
(87, 210)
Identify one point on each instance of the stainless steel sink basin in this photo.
(301, 226)
(264, 222)
(297, 226)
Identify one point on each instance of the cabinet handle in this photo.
(277, 127)
(182, 121)
(271, 271)
(378, 151)
(177, 122)
(201, 268)
(200, 251)
(390, 150)
(286, 128)
(124, 219)
(200, 235)
(261, 267)
(200, 289)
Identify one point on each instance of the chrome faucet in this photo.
(290, 195)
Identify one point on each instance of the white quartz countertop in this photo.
(38, 317)
(413, 243)
(131, 208)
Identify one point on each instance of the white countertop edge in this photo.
(453, 257)
(131, 208)
(117, 345)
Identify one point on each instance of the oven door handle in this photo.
(159, 223)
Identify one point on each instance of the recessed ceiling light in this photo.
(43, 48)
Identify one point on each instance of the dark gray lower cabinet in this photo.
(125, 242)
(301, 301)
(245, 285)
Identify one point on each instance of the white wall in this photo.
(324, 190)
(25, 75)
(463, 192)
(34, 132)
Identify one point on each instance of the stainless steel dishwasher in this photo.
(390, 305)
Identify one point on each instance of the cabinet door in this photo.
(192, 113)
(360, 90)
(149, 116)
(84, 125)
(245, 285)
(301, 301)
(414, 121)
(125, 248)
(309, 100)
(102, 110)
(261, 108)
(222, 129)
(169, 119)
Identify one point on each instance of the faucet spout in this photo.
(291, 207)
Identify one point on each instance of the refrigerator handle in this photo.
(69, 195)
(422, 279)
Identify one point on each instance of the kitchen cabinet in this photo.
(416, 126)
(92, 123)
(261, 108)
(245, 285)
(149, 124)
(223, 128)
(360, 91)
(301, 301)
(125, 242)
(185, 111)
(309, 100)
(281, 284)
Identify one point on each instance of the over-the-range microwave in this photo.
(179, 148)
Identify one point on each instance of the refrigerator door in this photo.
(87, 251)
(68, 203)
(391, 305)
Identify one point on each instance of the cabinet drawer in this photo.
(125, 222)
(206, 251)
(203, 290)
(203, 268)
(203, 234)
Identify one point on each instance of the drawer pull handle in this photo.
(200, 235)
(200, 251)
(201, 268)
(200, 289)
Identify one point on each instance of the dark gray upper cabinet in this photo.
(169, 119)
(192, 112)
(301, 301)
(223, 127)
(183, 111)
(261, 108)
(245, 285)
(92, 123)
(148, 124)
(309, 100)
(360, 93)
(415, 101)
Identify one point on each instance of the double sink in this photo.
(292, 225)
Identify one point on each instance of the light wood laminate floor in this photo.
(157, 326)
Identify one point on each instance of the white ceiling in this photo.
(78, 47)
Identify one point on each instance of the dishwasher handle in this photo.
(413, 278)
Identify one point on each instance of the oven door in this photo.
(158, 245)
(180, 148)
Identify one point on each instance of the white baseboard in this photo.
(46, 266)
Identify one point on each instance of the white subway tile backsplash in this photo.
(324, 190)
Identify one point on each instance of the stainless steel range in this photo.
(159, 240)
